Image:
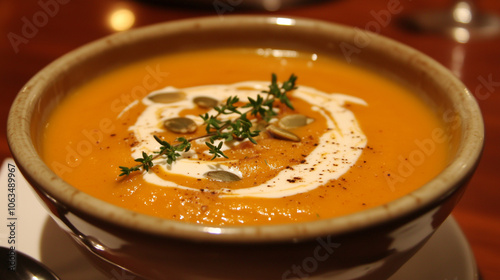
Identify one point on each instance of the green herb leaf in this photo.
(239, 128)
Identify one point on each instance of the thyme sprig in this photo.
(225, 130)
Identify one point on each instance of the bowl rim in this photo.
(39, 174)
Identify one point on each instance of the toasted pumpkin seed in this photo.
(223, 176)
(282, 133)
(259, 126)
(295, 120)
(168, 97)
(180, 125)
(205, 102)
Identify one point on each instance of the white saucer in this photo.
(446, 256)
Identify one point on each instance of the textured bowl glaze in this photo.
(371, 244)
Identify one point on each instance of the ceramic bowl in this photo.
(371, 244)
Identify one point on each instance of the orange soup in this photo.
(351, 140)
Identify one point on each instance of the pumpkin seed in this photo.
(180, 125)
(282, 133)
(205, 102)
(295, 120)
(260, 126)
(168, 97)
(223, 176)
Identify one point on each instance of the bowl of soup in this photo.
(247, 147)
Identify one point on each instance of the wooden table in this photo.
(34, 33)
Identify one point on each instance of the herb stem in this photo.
(239, 128)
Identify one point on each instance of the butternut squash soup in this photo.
(195, 136)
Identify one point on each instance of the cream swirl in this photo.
(338, 149)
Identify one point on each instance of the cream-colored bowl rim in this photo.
(429, 195)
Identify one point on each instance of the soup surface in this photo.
(366, 140)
